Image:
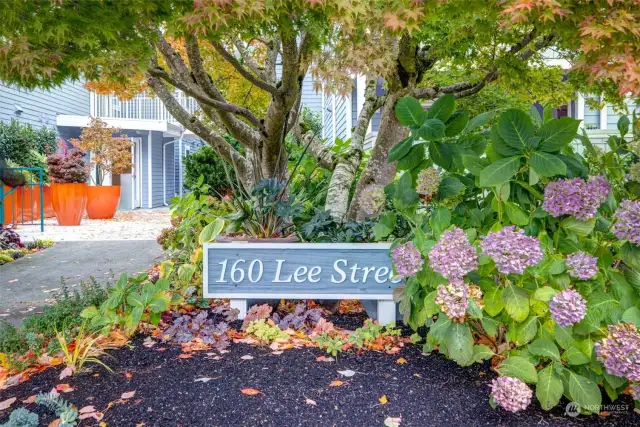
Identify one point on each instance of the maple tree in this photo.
(109, 154)
(266, 48)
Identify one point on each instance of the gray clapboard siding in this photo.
(342, 104)
(157, 198)
(375, 284)
(144, 171)
(40, 107)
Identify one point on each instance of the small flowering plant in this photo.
(525, 253)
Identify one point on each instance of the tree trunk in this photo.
(378, 170)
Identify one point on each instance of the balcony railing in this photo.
(141, 107)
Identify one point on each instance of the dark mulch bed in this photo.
(426, 391)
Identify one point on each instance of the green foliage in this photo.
(130, 301)
(322, 228)
(11, 340)
(332, 344)
(5, 258)
(22, 417)
(371, 332)
(266, 331)
(26, 146)
(503, 172)
(67, 413)
(205, 162)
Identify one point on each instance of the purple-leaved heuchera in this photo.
(511, 250)
(512, 394)
(627, 226)
(576, 197)
(581, 265)
(619, 352)
(407, 259)
(567, 307)
(453, 256)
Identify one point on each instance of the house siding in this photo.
(354, 104)
(144, 170)
(40, 107)
(328, 118)
(342, 104)
(157, 198)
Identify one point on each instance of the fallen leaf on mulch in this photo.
(87, 409)
(67, 372)
(7, 403)
(64, 388)
(148, 342)
(277, 353)
(383, 400)
(347, 373)
(336, 383)
(29, 400)
(55, 423)
(250, 391)
(90, 412)
(161, 349)
(204, 379)
(311, 402)
(128, 375)
(325, 359)
(246, 357)
(401, 361)
(128, 395)
(392, 422)
(185, 356)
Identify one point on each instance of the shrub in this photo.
(69, 165)
(9, 239)
(11, 340)
(5, 258)
(24, 145)
(205, 162)
(516, 253)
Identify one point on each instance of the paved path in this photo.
(28, 283)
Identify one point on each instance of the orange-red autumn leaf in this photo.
(29, 400)
(64, 388)
(250, 391)
(185, 356)
(336, 383)
(324, 359)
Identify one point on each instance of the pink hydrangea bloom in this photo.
(567, 307)
(453, 256)
(407, 259)
(452, 298)
(581, 265)
(619, 352)
(511, 250)
(511, 393)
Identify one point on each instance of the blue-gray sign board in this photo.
(298, 270)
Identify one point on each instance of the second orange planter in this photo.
(69, 202)
(103, 201)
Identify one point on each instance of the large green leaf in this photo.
(573, 356)
(413, 159)
(400, 150)
(516, 129)
(493, 304)
(545, 164)
(459, 343)
(409, 111)
(211, 231)
(515, 214)
(432, 129)
(584, 391)
(456, 123)
(557, 133)
(482, 352)
(564, 336)
(632, 315)
(527, 330)
(442, 108)
(440, 220)
(546, 348)
(479, 121)
(405, 196)
(500, 146)
(581, 228)
(549, 388)
(499, 171)
(474, 164)
(450, 186)
(384, 227)
(516, 302)
(519, 367)
(441, 154)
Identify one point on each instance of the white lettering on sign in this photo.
(253, 271)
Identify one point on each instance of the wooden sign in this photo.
(242, 271)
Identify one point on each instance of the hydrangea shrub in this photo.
(527, 252)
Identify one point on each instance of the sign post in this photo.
(242, 271)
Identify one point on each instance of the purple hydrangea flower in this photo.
(452, 298)
(582, 266)
(567, 307)
(427, 182)
(407, 259)
(511, 393)
(635, 391)
(619, 352)
(511, 250)
(627, 226)
(372, 199)
(575, 197)
(453, 256)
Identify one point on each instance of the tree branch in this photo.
(243, 71)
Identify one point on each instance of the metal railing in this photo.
(13, 199)
(141, 107)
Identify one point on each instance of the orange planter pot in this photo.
(48, 203)
(9, 204)
(69, 202)
(28, 207)
(103, 201)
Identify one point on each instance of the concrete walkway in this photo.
(27, 284)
